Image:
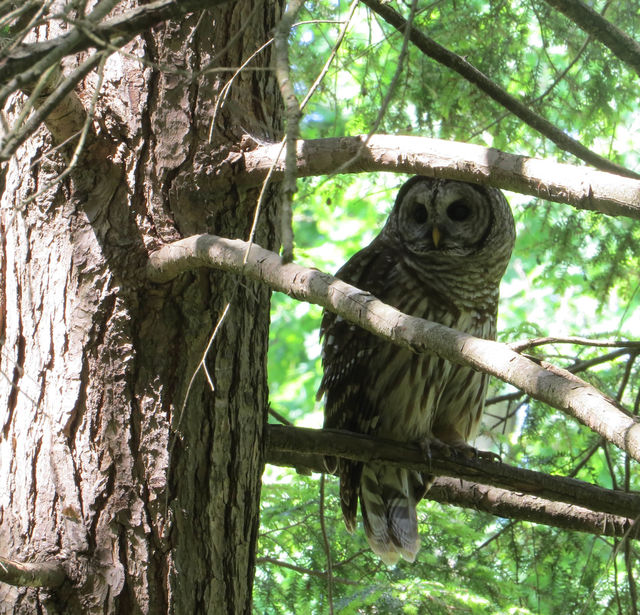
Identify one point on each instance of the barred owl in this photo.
(440, 256)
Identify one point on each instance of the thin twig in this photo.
(224, 92)
(84, 134)
(58, 50)
(18, 137)
(279, 417)
(292, 119)
(579, 341)
(390, 92)
(301, 570)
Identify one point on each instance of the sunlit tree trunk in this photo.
(150, 507)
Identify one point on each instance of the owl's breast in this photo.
(419, 393)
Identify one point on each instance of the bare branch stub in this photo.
(40, 574)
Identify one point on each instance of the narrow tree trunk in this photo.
(150, 508)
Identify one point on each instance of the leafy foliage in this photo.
(572, 273)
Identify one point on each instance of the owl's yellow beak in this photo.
(435, 233)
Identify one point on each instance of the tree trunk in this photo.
(151, 507)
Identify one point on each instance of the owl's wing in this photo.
(348, 350)
(348, 382)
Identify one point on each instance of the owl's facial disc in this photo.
(451, 218)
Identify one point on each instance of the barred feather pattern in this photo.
(377, 388)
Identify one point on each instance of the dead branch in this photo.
(292, 115)
(23, 62)
(582, 187)
(493, 500)
(53, 54)
(469, 72)
(578, 341)
(578, 399)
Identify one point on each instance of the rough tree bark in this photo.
(98, 360)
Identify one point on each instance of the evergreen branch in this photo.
(469, 72)
(514, 492)
(547, 383)
(582, 187)
(312, 573)
(39, 574)
(618, 42)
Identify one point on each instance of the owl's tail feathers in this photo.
(388, 498)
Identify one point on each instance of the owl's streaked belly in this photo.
(417, 394)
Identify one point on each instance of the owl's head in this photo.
(451, 220)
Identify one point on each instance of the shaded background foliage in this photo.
(572, 273)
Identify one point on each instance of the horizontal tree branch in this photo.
(513, 504)
(555, 387)
(521, 110)
(284, 438)
(39, 574)
(619, 42)
(581, 187)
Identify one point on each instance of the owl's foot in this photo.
(454, 447)
(444, 448)
(488, 455)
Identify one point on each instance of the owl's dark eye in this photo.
(458, 211)
(419, 213)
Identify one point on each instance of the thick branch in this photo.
(460, 65)
(578, 399)
(581, 187)
(492, 500)
(620, 43)
(41, 574)
(283, 439)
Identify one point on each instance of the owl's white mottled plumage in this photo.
(440, 256)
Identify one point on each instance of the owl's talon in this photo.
(427, 444)
(488, 456)
(458, 448)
